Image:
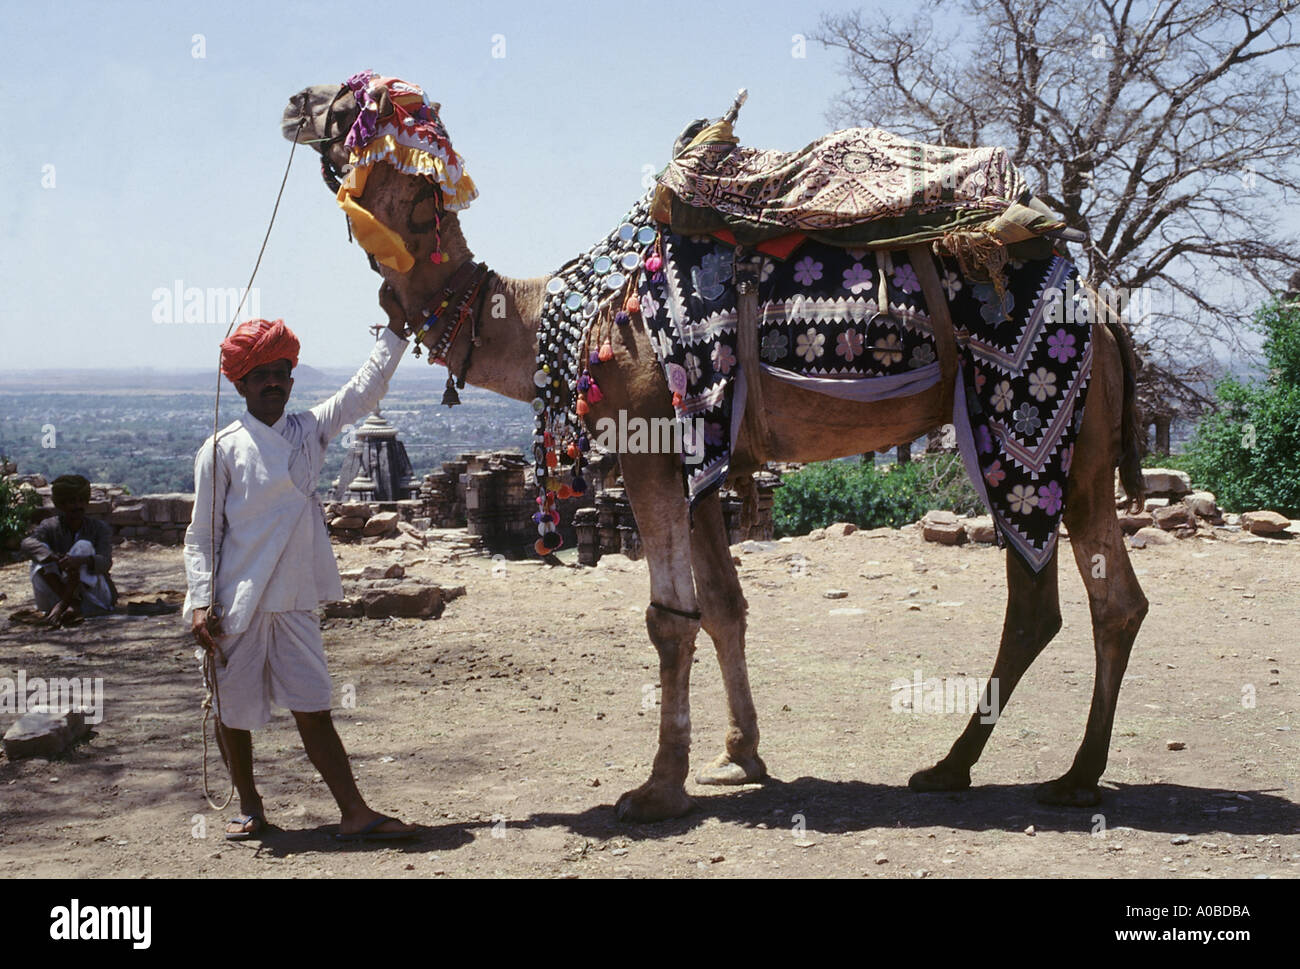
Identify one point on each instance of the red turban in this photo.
(255, 344)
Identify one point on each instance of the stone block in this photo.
(943, 527)
(345, 609)
(1264, 522)
(1204, 505)
(840, 529)
(1165, 481)
(44, 733)
(408, 601)
(1173, 516)
(981, 530)
(348, 523)
(354, 509)
(381, 524)
(1131, 522)
(1146, 537)
(127, 514)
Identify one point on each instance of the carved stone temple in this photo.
(376, 468)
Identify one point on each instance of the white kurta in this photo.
(273, 554)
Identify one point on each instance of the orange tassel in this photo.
(582, 407)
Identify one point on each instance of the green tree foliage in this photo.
(16, 506)
(870, 496)
(1248, 451)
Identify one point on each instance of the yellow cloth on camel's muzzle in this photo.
(373, 236)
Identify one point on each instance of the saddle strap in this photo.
(754, 419)
(945, 340)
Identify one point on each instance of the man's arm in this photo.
(366, 388)
(36, 545)
(102, 561)
(206, 530)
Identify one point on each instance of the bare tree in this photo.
(1165, 130)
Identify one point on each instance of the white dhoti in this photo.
(96, 596)
(279, 659)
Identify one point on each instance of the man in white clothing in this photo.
(274, 564)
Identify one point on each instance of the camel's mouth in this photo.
(320, 116)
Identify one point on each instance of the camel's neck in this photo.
(504, 358)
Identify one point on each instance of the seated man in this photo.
(71, 555)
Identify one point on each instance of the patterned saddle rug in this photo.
(858, 186)
(852, 323)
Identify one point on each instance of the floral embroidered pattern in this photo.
(1024, 377)
(1022, 499)
(888, 349)
(1002, 396)
(857, 279)
(905, 279)
(775, 345)
(807, 271)
(1026, 418)
(723, 358)
(849, 345)
(1061, 346)
(809, 345)
(1042, 384)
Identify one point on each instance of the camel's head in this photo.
(396, 208)
(321, 116)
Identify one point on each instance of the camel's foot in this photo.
(1068, 792)
(652, 801)
(729, 770)
(940, 777)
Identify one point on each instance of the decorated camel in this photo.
(604, 335)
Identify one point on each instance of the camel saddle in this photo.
(857, 188)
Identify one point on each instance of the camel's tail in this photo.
(1130, 458)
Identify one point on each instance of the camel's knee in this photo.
(723, 613)
(1036, 629)
(673, 636)
(1119, 621)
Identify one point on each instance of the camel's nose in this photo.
(293, 114)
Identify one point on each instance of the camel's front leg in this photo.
(654, 489)
(723, 605)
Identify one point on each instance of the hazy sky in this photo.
(132, 163)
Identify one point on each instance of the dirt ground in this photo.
(510, 726)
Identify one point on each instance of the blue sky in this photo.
(132, 163)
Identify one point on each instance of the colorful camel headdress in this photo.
(397, 124)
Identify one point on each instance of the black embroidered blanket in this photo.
(841, 316)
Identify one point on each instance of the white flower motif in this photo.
(692, 367)
(1002, 396)
(1022, 499)
(951, 283)
(1042, 384)
(809, 345)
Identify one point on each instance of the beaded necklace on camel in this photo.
(585, 299)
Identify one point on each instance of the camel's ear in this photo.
(437, 108)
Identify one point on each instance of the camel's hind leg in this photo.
(1117, 605)
(722, 608)
(1033, 618)
(654, 487)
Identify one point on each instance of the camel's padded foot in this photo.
(652, 801)
(730, 771)
(940, 777)
(1068, 792)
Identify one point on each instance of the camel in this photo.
(693, 581)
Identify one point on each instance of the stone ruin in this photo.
(161, 519)
(478, 503)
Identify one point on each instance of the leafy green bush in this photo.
(16, 506)
(1248, 451)
(870, 497)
